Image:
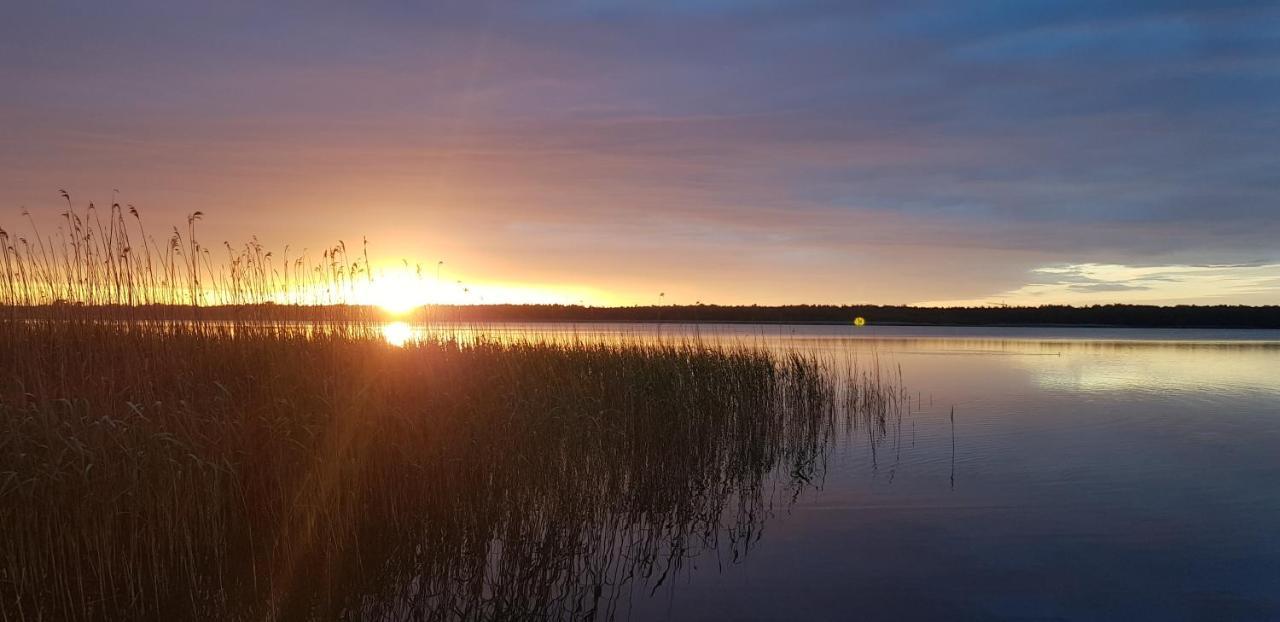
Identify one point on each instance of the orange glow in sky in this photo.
(604, 152)
(401, 291)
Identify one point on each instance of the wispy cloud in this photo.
(1176, 284)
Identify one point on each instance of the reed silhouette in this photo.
(223, 472)
(159, 462)
(100, 260)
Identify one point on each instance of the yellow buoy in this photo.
(859, 321)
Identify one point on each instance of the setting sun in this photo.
(397, 293)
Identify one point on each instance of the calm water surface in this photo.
(1086, 474)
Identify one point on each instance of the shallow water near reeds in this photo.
(1085, 474)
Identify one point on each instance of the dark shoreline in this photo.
(1099, 316)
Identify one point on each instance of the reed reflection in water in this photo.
(210, 472)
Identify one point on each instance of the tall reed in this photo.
(108, 258)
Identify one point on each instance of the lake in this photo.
(1040, 473)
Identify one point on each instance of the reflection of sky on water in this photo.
(1098, 474)
(1112, 478)
(1057, 359)
(1161, 368)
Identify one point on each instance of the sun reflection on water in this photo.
(397, 333)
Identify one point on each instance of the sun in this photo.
(397, 294)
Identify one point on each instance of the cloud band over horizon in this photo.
(784, 152)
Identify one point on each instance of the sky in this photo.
(740, 152)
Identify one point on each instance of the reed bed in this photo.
(158, 461)
(204, 472)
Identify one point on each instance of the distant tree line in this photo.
(1149, 316)
(1235, 316)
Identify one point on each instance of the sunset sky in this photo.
(717, 151)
